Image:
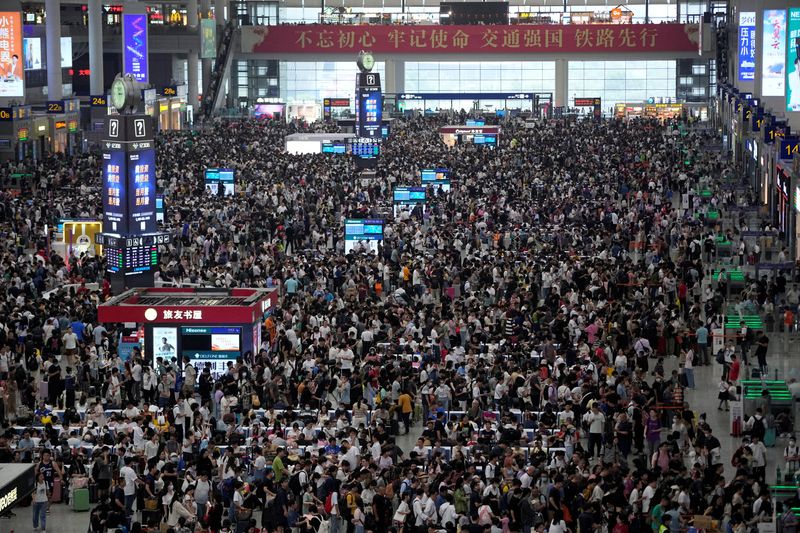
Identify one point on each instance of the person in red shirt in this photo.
(733, 373)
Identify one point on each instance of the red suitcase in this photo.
(56, 496)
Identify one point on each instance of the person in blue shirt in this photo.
(77, 328)
(702, 344)
(291, 285)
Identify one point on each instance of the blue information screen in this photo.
(409, 195)
(362, 234)
(142, 191)
(115, 205)
(220, 177)
(159, 208)
(431, 175)
(333, 148)
(370, 112)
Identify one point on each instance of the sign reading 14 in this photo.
(790, 148)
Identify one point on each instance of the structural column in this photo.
(177, 70)
(205, 8)
(561, 98)
(191, 67)
(55, 88)
(191, 78)
(96, 83)
(395, 77)
(219, 12)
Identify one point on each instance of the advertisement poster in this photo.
(12, 80)
(126, 345)
(33, 53)
(134, 46)
(165, 343)
(115, 219)
(66, 52)
(773, 53)
(142, 191)
(208, 39)
(793, 61)
(747, 45)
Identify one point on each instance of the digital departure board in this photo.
(365, 148)
(113, 259)
(140, 259)
(132, 259)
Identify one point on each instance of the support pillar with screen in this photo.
(130, 232)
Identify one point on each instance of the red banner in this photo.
(577, 38)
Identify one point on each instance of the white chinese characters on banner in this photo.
(181, 314)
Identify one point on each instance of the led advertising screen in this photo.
(165, 343)
(115, 206)
(142, 191)
(793, 61)
(269, 111)
(747, 45)
(362, 235)
(33, 53)
(12, 79)
(407, 198)
(134, 46)
(773, 53)
(220, 177)
(215, 345)
(66, 52)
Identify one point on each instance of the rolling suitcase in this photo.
(769, 438)
(56, 496)
(43, 390)
(80, 500)
(151, 518)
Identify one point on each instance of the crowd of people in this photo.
(540, 322)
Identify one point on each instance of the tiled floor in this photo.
(703, 400)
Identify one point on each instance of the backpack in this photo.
(720, 357)
(329, 502)
(411, 517)
(758, 427)
(294, 484)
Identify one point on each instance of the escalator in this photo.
(215, 87)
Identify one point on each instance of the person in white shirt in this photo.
(131, 479)
(596, 421)
(647, 496)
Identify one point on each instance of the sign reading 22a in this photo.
(790, 148)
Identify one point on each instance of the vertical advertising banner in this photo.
(12, 78)
(747, 45)
(208, 39)
(165, 343)
(773, 52)
(134, 46)
(142, 191)
(793, 61)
